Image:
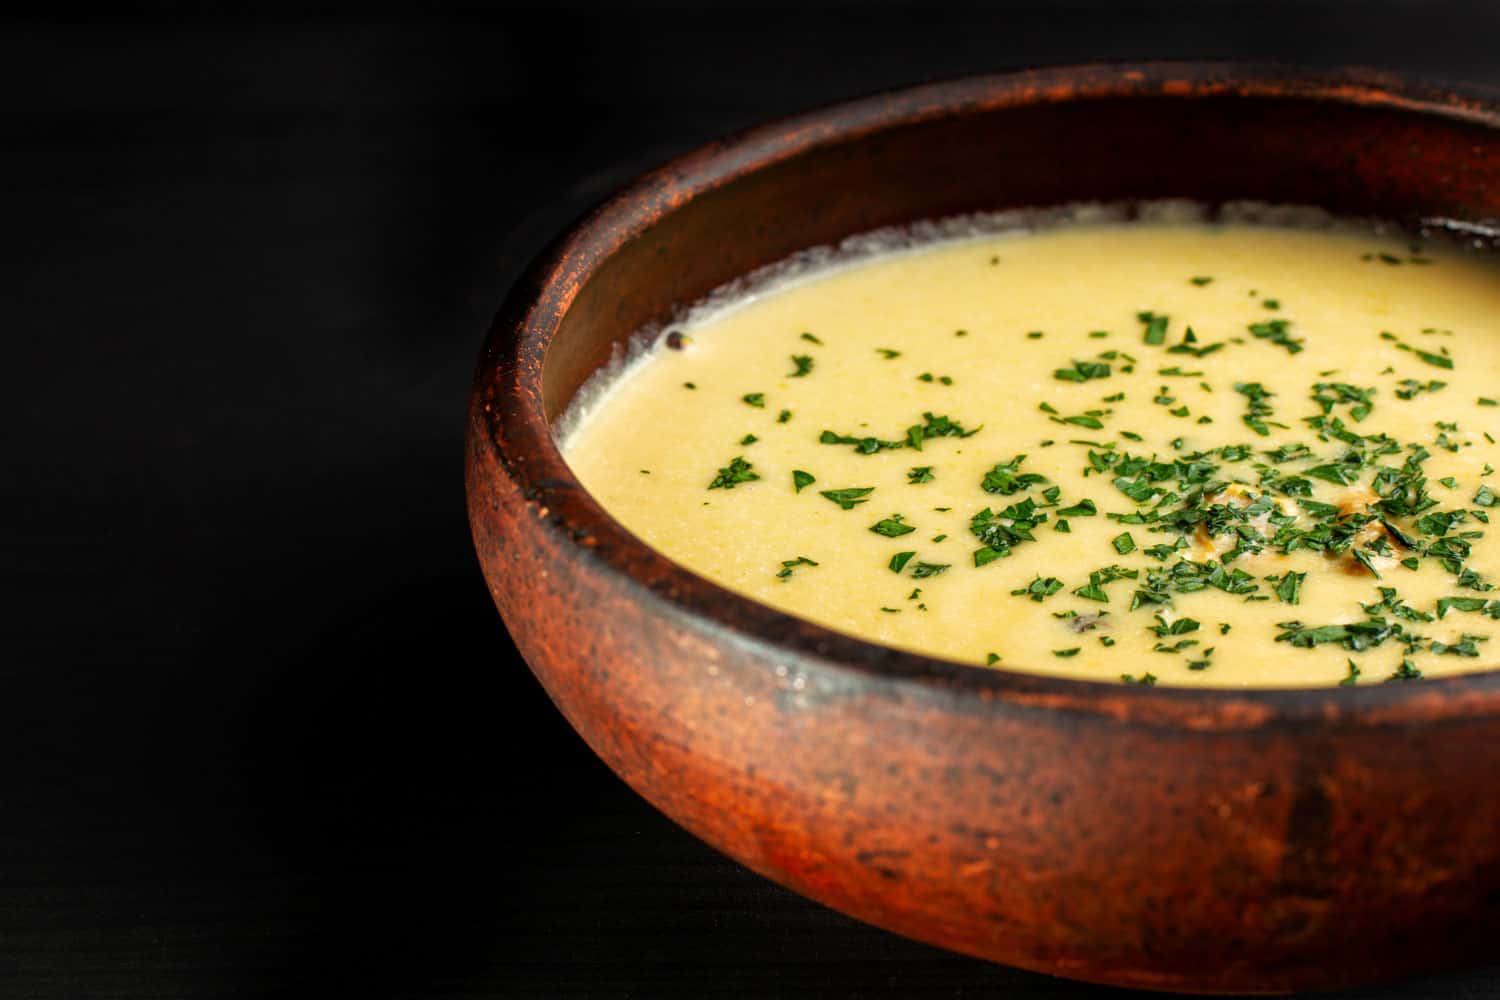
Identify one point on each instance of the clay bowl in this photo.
(1188, 840)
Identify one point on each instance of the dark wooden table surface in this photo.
(261, 730)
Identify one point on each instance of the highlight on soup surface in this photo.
(1166, 451)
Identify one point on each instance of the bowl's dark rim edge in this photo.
(510, 366)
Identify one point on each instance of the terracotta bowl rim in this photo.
(508, 393)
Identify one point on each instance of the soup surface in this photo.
(1223, 455)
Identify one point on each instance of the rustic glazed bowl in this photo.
(1216, 840)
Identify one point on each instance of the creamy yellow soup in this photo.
(1142, 453)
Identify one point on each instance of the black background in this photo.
(261, 730)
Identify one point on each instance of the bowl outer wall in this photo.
(1194, 840)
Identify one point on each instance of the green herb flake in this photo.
(920, 474)
(1082, 371)
(1155, 333)
(867, 445)
(801, 480)
(1039, 589)
(1123, 543)
(1083, 508)
(899, 560)
(811, 339)
(736, 472)
(1257, 407)
(1352, 677)
(1289, 587)
(1276, 331)
(756, 399)
(848, 498)
(1441, 360)
(892, 527)
(1329, 394)
(788, 565)
(1406, 672)
(1006, 479)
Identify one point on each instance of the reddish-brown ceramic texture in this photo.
(1189, 840)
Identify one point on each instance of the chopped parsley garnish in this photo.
(999, 533)
(923, 570)
(788, 565)
(1083, 508)
(1201, 280)
(1352, 677)
(990, 659)
(1190, 346)
(749, 439)
(1288, 452)
(757, 399)
(1489, 608)
(803, 364)
(920, 474)
(1406, 672)
(887, 353)
(892, 527)
(1155, 333)
(737, 471)
(936, 427)
(1094, 589)
(1039, 589)
(1276, 331)
(1006, 479)
(1065, 653)
(849, 498)
(1410, 388)
(1089, 418)
(863, 445)
(1082, 371)
(1355, 636)
(783, 416)
(932, 427)
(1289, 587)
(899, 560)
(1329, 394)
(1257, 408)
(1123, 543)
(1436, 360)
(1467, 645)
(801, 479)
(811, 339)
(1145, 680)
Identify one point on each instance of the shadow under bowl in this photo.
(1211, 840)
